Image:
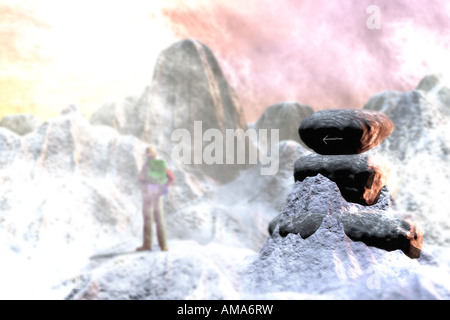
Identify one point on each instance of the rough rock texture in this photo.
(344, 131)
(21, 124)
(188, 271)
(120, 116)
(358, 177)
(188, 85)
(327, 262)
(66, 169)
(383, 101)
(374, 225)
(69, 190)
(72, 189)
(384, 231)
(418, 153)
(76, 167)
(438, 91)
(285, 117)
(211, 243)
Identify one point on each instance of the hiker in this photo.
(155, 178)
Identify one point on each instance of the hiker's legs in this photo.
(159, 219)
(147, 213)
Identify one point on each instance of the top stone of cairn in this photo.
(341, 131)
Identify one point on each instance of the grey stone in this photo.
(21, 124)
(70, 170)
(285, 117)
(375, 226)
(305, 225)
(343, 131)
(383, 101)
(328, 263)
(437, 89)
(70, 190)
(358, 177)
(385, 231)
(429, 82)
(186, 271)
(412, 115)
(418, 152)
(188, 85)
(117, 115)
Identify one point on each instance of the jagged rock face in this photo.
(384, 101)
(322, 259)
(68, 184)
(375, 225)
(70, 190)
(21, 124)
(344, 131)
(189, 80)
(359, 178)
(77, 185)
(418, 154)
(285, 117)
(118, 115)
(438, 90)
(412, 115)
(188, 85)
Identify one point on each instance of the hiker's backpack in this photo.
(156, 171)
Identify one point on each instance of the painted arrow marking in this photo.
(329, 139)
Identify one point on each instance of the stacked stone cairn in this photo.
(340, 139)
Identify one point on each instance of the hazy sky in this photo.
(319, 52)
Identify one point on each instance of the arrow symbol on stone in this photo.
(329, 139)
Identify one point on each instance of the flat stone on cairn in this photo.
(340, 136)
(340, 131)
(357, 177)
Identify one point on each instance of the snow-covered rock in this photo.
(418, 154)
(285, 117)
(70, 202)
(21, 124)
(326, 262)
(68, 185)
(187, 86)
(70, 191)
(187, 271)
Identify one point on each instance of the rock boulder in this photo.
(314, 255)
(285, 117)
(343, 131)
(359, 177)
(20, 124)
(418, 153)
(188, 85)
